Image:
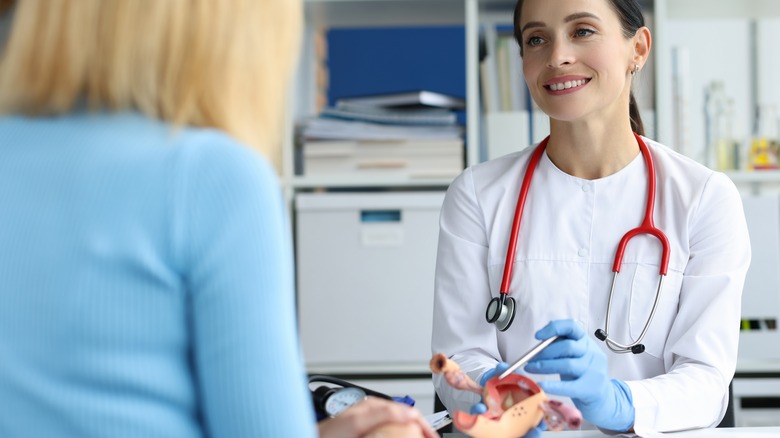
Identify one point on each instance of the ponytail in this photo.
(633, 114)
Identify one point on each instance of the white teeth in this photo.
(566, 85)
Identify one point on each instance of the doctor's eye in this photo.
(583, 32)
(534, 41)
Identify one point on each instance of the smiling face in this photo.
(576, 59)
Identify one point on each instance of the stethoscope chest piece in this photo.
(501, 314)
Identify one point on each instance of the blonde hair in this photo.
(212, 63)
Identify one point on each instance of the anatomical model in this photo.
(515, 404)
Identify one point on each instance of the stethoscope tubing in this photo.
(518, 217)
(647, 226)
(621, 348)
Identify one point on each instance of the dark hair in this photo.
(5, 5)
(631, 19)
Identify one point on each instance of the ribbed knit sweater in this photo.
(146, 284)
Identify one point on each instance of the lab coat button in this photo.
(583, 252)
(586, 187)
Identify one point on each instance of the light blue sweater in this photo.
(146, 284)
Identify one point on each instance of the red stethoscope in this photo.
(501, 309)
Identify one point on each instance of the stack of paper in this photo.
(412, 158)
(412, 99)
(366, 113)
(402, 138)
(329, 129)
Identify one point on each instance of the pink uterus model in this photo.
(515, 404)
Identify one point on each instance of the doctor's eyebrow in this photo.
(569, 18)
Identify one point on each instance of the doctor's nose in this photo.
(560, 54)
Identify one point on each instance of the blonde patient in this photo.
(144, 246)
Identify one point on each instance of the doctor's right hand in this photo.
(582, 366)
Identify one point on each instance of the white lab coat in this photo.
(563, 269)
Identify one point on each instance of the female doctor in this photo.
(590, 186)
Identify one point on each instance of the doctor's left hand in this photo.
(582, 366)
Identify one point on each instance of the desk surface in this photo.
(741, 432)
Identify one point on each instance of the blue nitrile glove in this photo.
(497, 371)
(582, 365)
(480, 408)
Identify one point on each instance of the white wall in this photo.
(768, 60)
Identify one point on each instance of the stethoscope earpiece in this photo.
(601, 335)
(501, 314)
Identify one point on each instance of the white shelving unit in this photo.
(677, 22)
(387, 366)
(756, 182)
(323, 14)
(471, 13)
(740, 54)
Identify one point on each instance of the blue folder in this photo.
(379, 60)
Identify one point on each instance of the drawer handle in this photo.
(380, 216)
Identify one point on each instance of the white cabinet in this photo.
(757, 396)
(757, 382)
(365, 280)
(761, 296)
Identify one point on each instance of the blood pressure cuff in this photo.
(320, 394)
